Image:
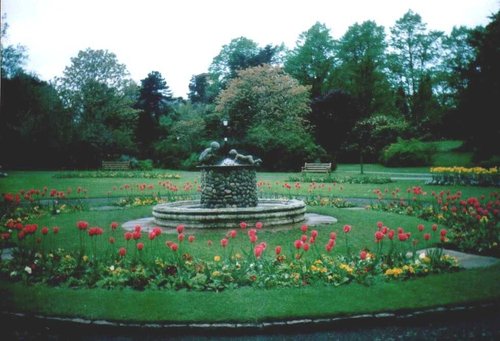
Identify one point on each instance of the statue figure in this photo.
(210, 155)
(244, 159)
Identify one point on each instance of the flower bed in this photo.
(476, 176)
(474, 222)
(142, 260)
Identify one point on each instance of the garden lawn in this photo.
(272, 184)
(252, 305)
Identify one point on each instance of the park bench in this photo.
(115, 165)
(310, 167)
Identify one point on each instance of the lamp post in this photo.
(225, 123)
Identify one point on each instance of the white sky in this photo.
(179, 38)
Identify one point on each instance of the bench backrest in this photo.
(316, 167)
(116, 165)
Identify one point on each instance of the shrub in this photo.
(406, 153)
(145, 164)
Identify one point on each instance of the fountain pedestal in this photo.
(228, 197)
(228, 186)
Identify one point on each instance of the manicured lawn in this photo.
(244, 303)
(250, 304)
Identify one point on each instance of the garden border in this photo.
(305, 325)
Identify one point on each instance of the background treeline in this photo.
(323, 100)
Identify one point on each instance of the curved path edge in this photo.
(367, 320)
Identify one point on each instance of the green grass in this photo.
(104, 187)
(245, 304)
(252, 305)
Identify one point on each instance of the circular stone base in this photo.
(147, 224)
(192, 215)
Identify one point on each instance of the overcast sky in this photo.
(179, 38)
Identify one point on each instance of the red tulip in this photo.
(45, 230)
(174, 247)
(140, 246)
(122, 252)
(180, 237)
(180, 229)
(277, 250)
(298, 244)
(191, 238)
(82, 225)
(243, 225)
(305, 246)
(304, 228)
(258, 225)
(55, 230)
(347, 228)
(114, 225)
(362, 255)
(223, 242)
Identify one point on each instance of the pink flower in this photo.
(258, 250)
(114, 225)
(390, 234)
(379, 235)
(137, 228)
(152, 235)
(180, 229)
(420, 227)
(427, 236)
(232, 234)
(243, 225)
(258, 225)
(191, 238)
(298, 244)
(136, 234)
(122, 252)
(380, 224)
(303, 238)
(434, 227)
(223, 242)
(314, 233)
(305, 246)
(304, 228)
(402, 236)
(45, 230)
(82, 225)
(174, 247)
(253, 238)
(277, 250)
(333, 235)
(347, 228)
(128, 235)
(362, 255)
(443, 232)
(140, 246)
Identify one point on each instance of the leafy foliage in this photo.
(266, 110)
(407, 153)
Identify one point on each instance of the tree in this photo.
(312, 60)
(414, 53)
(153, 102)
(333, 116)
(480, 100)
(241, 53)
(200, 90)
(35, 129)
(266, 109)
(458, 55)
(96, 88)
(361, 52)
(12, 58)
(371, 135)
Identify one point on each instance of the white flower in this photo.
(27, 269)
(112, 268)
(422, 255)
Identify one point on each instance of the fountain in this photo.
(228, 197)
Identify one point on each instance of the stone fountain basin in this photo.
(192, 215)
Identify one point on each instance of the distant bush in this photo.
(145, 165)
(405, 153)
